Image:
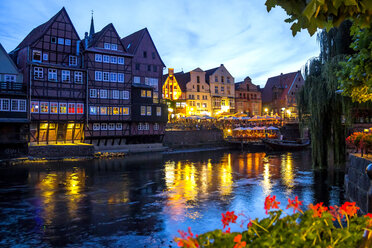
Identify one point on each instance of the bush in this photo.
(318, 226)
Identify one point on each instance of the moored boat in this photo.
(285, 145)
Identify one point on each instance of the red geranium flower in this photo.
(318, 209)
(271, 203)
(349, 208)
(228, 217)
(239, 243)
(295, 204)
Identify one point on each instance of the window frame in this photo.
(60, 105)
(69, 108)
(54, 103)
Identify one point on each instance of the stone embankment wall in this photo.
(357, 182)
(195, 138)
(61, 151)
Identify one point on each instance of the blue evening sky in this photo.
(187, 33)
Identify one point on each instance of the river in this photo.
(142, 200)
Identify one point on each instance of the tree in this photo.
(324, 14)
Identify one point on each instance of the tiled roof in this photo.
(97, 36)
(283, 81)
(132, 41)
(209, 73)
(39, 31)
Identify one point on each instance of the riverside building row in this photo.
(102, 90)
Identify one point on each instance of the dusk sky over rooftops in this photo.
(188, 34)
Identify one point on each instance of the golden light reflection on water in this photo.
(287, 173)
(48, 186)
(225, 175)
(74, 184)
(266, 180)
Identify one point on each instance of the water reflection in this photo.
(108, 202)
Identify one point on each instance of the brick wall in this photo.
(61, 151)
(357, 182)
(193, 138)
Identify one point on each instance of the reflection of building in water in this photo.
(225, 175)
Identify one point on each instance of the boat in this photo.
(286, 145)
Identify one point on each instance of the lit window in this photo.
(114, 47)
(98, 75)
(143, 110)
(146, 126)
(113, 77)
(148, 110)
(125, 111)
(158, 111)
(106, 59)
(106, 76)
(119, 126)
(103, 94)
(121, 77)
(72, 60)
(36, 56)
(111, 126)
(143, 93)
(115, 110)
(67, 42)
(98, 57)
(71, 108)
(149, 93)
(103, 126)
(38, 73)
(103, 110)
(44, 107)
(137, 80)
(140, 126)
(115, 94)
(80, 108)
(106, 45)
(54, 108)
(78, 77)
(65, 76)
(52, 75)
(125, 94)
(5, 105)
(93, 110)
(96, 126)
(93, 93)
(10, 78)
(156, 126)
(63, 108)
(121, 60)
(45, 56)
(114, 60)
(61, 41)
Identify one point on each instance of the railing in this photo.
(12, 86)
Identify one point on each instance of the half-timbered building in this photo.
(109, 78)
(147, 72)
(52, 69)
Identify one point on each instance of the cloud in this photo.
(188, 33)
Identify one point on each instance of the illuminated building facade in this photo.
(109, 85)
(222, 90)
(175, 93)
(248, 97)
(13, 109)
(279, 94)
(51, 62)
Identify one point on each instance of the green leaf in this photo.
(350, 3)
(310, 9)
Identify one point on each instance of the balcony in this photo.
(12, 87)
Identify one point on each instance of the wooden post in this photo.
(369, 194)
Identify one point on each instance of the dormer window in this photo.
(114, 47)
(36, 56)
(107, 46)
(72, 60)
